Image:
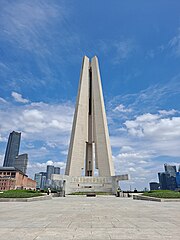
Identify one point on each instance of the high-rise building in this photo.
(162, 181)
(154, 186)
(56, 170)
(12, 149)
(43, 174)
(178, 179)
(38, 179)
(171, 182)
(50, 171)
(43, 182)
(90, 137)
(21, 162)
(170, 169)
(166, 181)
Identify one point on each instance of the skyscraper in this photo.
(162, 180)
(90, 137)
(38, 179)
(170, 169)
(21, 162)
(50, 171)
(167, 179)
(154, 186)
(178, 179)
(12, 149)
(56, 170)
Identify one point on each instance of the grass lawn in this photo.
(162, 194)
(20, 194)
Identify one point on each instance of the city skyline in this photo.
(42, 45)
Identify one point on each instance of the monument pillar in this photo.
(90, 137)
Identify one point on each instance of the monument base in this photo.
(72, 184)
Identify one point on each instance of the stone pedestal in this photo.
(88, 184)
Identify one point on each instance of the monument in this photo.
(90, 136)
(89, 164)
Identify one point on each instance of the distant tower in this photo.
(57, 170)
(90, 137)
(21, 162)
(170, 169)
(12, 149)
(50, 171)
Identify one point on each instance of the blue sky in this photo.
(138, 46)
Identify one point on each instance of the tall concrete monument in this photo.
(89, 147)
(90, 138)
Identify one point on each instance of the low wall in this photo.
(146, 198)
(40, 198)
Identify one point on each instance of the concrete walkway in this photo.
(76, 217)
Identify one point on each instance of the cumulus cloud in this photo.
(45, 128)
(142, 144)
(158, 134)
(139, 166)
(37, 118)
(152, 125)
(18, 97)
(170, 112)
(46, 132)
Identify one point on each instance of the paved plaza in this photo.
(78, 217)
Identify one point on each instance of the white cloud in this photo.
(43, 126)
(170, 112)
(65, 152)
(174, 44)
(145, 141)
(18, 97)
(121, 49)
(3, 100)
(156, 132)
(21, 20)
(1, 159)
(139, 166)
(150, 99)
(122, 108)
(124, 49)
(2, 139)
(25, 27)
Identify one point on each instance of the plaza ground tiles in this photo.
(79, 217)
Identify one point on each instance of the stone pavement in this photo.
(78, 217)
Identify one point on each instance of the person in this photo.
(49, 191)
(118, 192)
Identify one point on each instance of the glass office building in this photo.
(21, 162)
(12, 149)
(56, 170)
